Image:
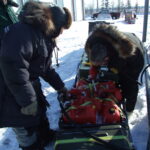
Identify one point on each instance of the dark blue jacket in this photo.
(26, 58)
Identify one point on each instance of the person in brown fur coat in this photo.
(107, 46)
(25, 56)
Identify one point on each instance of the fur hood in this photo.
(109, 35)
(41, 16)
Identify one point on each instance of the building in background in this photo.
(75, 6)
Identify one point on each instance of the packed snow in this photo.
(71, 45)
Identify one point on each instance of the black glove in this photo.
(63, 94)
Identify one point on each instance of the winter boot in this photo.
(45, 134)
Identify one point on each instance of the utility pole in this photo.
(146, 8)
(73, 10)
(83, 10)
(147, 75)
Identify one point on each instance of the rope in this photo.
(56, 55)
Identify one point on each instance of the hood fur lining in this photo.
(40, 15)
(121, 43)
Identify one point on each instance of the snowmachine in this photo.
(94, 117)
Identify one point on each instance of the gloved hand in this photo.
(30, 109)
(63, 94)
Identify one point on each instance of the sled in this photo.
(94, 118)
(84, 66)
(77, 134)
(116, 136)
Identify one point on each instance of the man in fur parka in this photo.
(26, 55)
(123, 52)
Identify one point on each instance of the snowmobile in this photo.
(94, 117)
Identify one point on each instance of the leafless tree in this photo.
(119, 3)
(122, 6)
(112, 5)
(103, 3)
(136, 6)
(128, 4)
(107, 4)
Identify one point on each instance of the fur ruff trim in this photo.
(68, 18)
(118, 40)
(39, 14)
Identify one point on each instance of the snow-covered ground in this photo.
(71, 44)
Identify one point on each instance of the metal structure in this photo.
(147, 61)
(147, 81)
(73, 10)
(146, 8)
(83, 10)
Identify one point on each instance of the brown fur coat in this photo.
(125, 44)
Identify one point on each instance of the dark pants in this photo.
(36, 137)
(130, 92)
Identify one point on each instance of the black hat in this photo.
(61, 17)
(98, 52)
